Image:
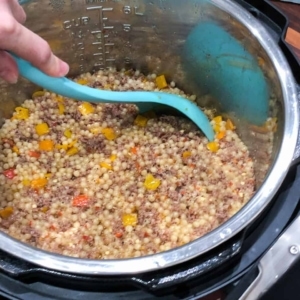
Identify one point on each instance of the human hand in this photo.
(18, 39)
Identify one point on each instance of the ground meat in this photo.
(93, 144)
(102, 182)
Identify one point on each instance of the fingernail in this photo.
(9, 76)
(63, 68)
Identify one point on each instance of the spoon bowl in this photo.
(144, 100)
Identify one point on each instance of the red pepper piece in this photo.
(9, 173)
(80, 200)
(119, 234)
(35, 154)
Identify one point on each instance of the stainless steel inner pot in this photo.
(151, 35)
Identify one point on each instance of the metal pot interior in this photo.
(166, 37)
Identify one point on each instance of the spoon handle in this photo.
(145, 100)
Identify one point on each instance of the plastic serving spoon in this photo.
(143, 99)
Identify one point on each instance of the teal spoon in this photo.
(143, 99)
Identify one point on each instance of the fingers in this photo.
(9, 69)
(31, 47)
(15, 9)
(16, 38)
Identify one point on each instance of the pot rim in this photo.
(222, 233)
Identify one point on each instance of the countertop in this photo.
(292, 12)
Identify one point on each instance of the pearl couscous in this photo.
(103, 181)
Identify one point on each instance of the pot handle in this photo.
(275, 262)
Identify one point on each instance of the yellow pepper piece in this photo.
(38, 183)
(42, 129)
(109, 134)
(113, 157)
(220, 135)
(213, 146)
(107, 86)
(96, 130)
(26, 182)
(44, 209)
(161, 82)
(6, 212)
(64, 147)
(72, 151)
(59, 99)
(217, 128)
(70, 145)
(140, 121)
(86, 108)
(105, 165)
(68, 133)
(186, 154)
(229, 125)
(129, 220)
(151, 183)
(16, 149)
(217, 119)
(38, 94)
(150, 114)
(82, 81)
(261, 61)
(46, 145)
(48, 175)
(271, 124)
(21, 113)
(61, 108)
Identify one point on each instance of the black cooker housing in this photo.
(223, 273)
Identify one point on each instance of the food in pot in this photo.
(103, 181)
